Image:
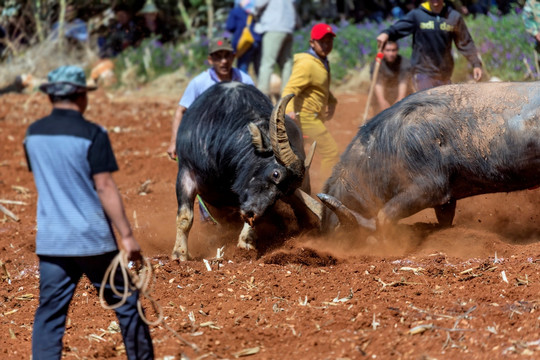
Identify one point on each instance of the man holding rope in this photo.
(72, 161)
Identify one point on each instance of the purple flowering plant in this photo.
(506, 49)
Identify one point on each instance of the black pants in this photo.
(57, 282)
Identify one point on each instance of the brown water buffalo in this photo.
(433, 148)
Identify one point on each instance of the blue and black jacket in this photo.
(433, 35)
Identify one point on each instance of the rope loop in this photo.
(135, 280)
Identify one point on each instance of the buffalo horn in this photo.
(309, 157)
(278, 135)
(313, 205)
(346, 216)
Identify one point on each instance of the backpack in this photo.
(246, 40)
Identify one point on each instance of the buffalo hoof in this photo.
(372, 240)
(247, 238)
(180, 255)
(445, 213)
(245, 245)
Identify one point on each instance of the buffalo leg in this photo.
(247, 238)
(185, 194)
(401, 206)
(445, 213)
(405, 204)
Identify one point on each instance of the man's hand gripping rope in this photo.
(133, 281)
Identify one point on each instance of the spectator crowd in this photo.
(261, 35)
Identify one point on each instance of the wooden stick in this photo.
(9, 213)
(378, 60)
(12, 202)
(536, 64)
(309, 157)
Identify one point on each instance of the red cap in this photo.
(320, 30)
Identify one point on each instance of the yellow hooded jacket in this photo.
(310, 83)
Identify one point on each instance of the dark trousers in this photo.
(424, 82)
(15, 87)
(253, 55)
(57, 282)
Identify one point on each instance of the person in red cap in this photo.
(313, 103)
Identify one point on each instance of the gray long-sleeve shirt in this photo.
(275, 15)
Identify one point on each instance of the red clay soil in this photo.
(467, 292)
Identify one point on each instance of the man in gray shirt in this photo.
(276, 21)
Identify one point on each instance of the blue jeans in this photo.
(57, 282)
(423, 82)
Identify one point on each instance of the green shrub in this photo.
(502, 43)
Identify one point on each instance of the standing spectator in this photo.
(394, 77)
(152, 24)
(470, 7)
(531, 19)
(434, 27)
(236, 22)
(220, 57)
(3, 38)
(75, 29)
(313, 103)
(505, 6)
(123, 34)
(72, 161)
(395, 9)
(248, 5)
(276, 21)
(377, 10)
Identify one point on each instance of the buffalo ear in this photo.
(258, 139)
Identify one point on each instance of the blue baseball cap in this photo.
(66, 80)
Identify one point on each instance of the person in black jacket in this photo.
(434, 27)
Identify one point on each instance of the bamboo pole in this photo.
(61, 23)
(185, 17)
(210, 18)
(37, 19)
(378, 60)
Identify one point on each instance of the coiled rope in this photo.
(133, 281)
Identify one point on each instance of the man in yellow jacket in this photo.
(313, 103)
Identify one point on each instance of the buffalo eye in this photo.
(276, 176)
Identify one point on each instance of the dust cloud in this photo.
(484, 225)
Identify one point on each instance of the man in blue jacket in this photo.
(434, 27)
(236, 22)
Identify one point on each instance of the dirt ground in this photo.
(467, 292)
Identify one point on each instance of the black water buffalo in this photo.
(240, 155)
(436, 147)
